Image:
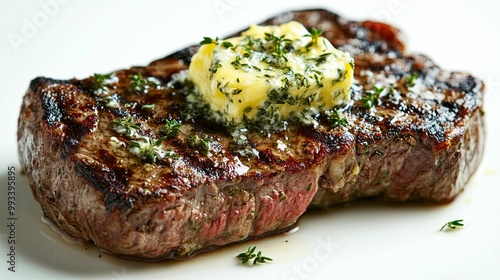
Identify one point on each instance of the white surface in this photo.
(363, 241)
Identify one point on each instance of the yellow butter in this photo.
(270, 74)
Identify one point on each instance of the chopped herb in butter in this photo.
(268, 76)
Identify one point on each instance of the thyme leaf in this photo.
(281, 45)
(208, 40)
(227, 45)
(314, 34)
(149, 149)
(126, 126)
(137, 82)
(171, 128)
(322, 58)
(336, 120)
(410, 81)
(101, 82)
(260, 258)
(202, 143)
(452, 224)
(148, 106)
(250, 254)
(371, 97)
(140, 84)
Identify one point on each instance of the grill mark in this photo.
(108, 183)
(335, 143)
(111, 180)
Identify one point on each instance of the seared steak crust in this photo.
(422, 142)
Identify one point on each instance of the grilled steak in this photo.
(421, 141)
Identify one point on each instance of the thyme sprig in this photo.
(208, 40)
(140, 84)
(314, 34)
(202, 143)
(171, 128)
(281, 45)
(126, 126)
(452, 224)
(101, 82)
(250, 254)
(150, 149)
(371, 97)
(336, 119)
(137, 82)
(410, 81)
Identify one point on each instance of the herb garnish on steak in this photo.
(420, 139)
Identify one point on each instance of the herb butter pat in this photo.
(270, 74)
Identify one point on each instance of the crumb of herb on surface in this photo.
(171, 128)
(452, 225)
(336, 120)
(149, 106)
(102, 81)
(410, 80)
(250, 254)
(371, 97)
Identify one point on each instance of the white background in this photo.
(367, 240)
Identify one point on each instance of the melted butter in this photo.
(270, 74)
(66, 237)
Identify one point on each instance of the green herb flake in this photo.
(452, 225)
(203, 143)
(227, 45)
(410, 81)
(140, 84)
(102, 81)
(126, 126)
(336, 119)
(150, 149)
(281, 44)
(322, 59)
(137, 82)
(171, 128)
(208, 40)
(282, 196)
(371, 97)
(148, 106)
(235, 191)
(250, 254)
(314, 34)
(214, 67)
